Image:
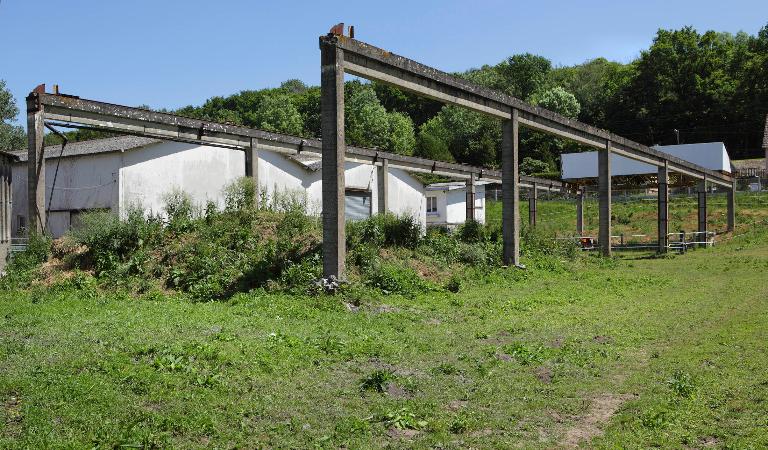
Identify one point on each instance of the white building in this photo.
(710, 155)
(118, 173)
(447, 203)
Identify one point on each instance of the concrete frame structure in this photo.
(74, 112)
(342, 54)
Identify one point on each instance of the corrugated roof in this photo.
(107, 145)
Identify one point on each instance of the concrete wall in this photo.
(143, 177)
(6, 203)
(83, 182)
(150, 173)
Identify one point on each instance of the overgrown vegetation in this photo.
(209, 253)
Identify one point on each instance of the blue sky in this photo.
(171, 53)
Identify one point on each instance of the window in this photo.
(431, 205)
(357, 204)
(21, 224)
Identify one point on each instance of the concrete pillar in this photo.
(663, 206)
(510, 190)
(252, 168)
(383, 172)
(731, 200)
(471, 193)
(532, 205)
(580, 212)
(604, 186)
(334, 149)
(35, 164)
(702, 192)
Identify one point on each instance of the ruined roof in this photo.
(107, 145)
(312, 162)
(452, 185)
(754, 163)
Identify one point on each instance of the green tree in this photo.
(12, 137)
(558, 100)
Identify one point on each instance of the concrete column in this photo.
(580, 212)
(35, 164)
(510, 190)
(532, 205)
(731, 200)
(663, 206)
(252, 168)
(334, 149)
(471, 193)
(702, 191)
(604, 186)
(383, 171)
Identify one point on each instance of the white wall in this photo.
(148, 174)
(710, 155)
(144, 176)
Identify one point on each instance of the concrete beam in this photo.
(334, 149)
(580, 212)
(252, 168)
(731, 210)
(374, 63)
(604, 186)
(36, 217)
(702, 197)
(383, 183)
(532, 201)
(470, 202)
(510, 190)
(663, 208)
(77, 112)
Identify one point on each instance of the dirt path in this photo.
(602, 409)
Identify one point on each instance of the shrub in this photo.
(471, 231)
(240, 194)
(385, 230)
(392, 278)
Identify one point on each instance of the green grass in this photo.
(676, 345)
(637, 215)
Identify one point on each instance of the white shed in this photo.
(710, 155)
(447, 203)
(118, 173)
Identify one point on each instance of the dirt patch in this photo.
(602, 339)
(558, 342)
(709, 441)
(503, 357)
(13, 415)
(588, 426)
(396, 433)
(433, 322)
(456, 405)
(544, 374)
(384, 309)
(396, 391)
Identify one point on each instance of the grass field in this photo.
(629, 352)
(637, 215)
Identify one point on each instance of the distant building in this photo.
(447, 203)
(710, 155)
(117, 173)
(765, 142)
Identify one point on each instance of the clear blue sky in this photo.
(171, 53)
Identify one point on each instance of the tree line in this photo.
(686, 87)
